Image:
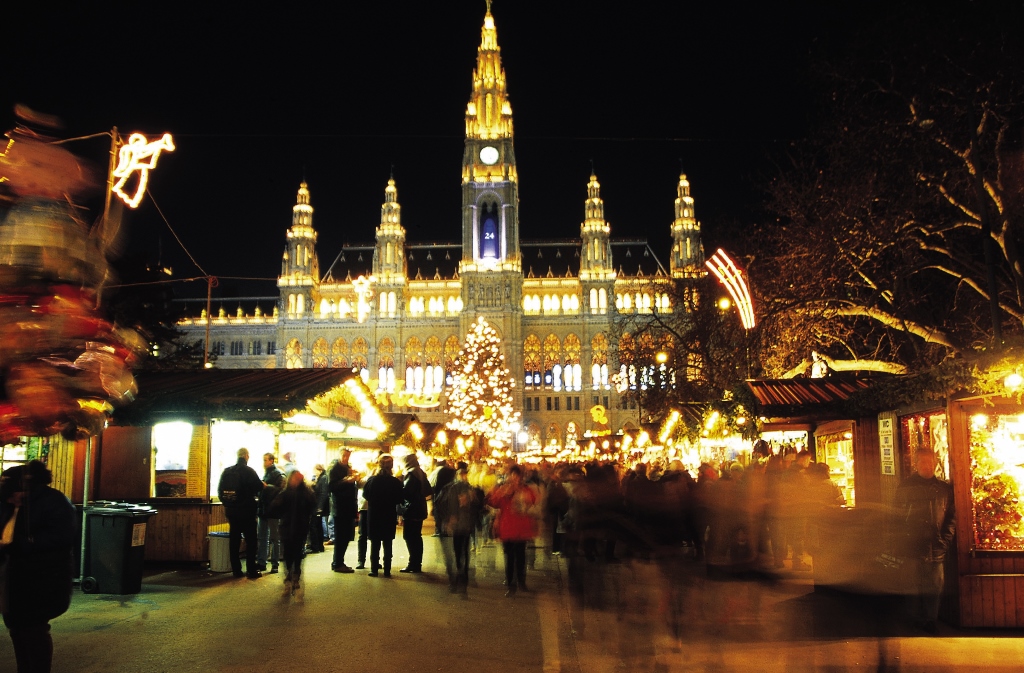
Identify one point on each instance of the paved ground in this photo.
(626, 617)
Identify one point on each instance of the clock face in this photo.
(489, 155)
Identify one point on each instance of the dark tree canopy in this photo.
(881, 216)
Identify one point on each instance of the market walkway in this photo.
(623, 618)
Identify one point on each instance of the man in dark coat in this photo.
(924, 512)
(238, 489)
(414, 494)
(322, 491)
(344, 508)
(383, 493)
(270, 537)
(37, 529)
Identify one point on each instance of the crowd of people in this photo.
(735, 517)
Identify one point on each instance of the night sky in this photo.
(258, 100)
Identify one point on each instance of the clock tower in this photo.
(491, 268)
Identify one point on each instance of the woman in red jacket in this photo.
(516, 525)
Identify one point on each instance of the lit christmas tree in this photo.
(480, 402)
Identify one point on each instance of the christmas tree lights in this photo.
(480, 402)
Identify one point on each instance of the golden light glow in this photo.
(1014, 381)
(732, 278)
(138, 155)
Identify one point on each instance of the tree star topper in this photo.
(140, 155)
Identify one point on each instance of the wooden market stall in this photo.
(986, 456)
(169, 447)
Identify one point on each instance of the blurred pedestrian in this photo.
(383, 493)
(415, 491)
(924, 516)
(515, 526)
(443, 475)
(238, 489)
(36, 565)
(295, 506)
(458, 506)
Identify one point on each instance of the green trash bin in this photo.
(115, 547)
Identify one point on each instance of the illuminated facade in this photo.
(398, 311)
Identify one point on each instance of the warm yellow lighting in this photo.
(1014, 381)
(741, 420)
(361, 432)
(732, 278)
(724, 304)
(661, 358)
(441, 437)
(847, 435)
(416, 431)
(979, 421)
(138, 155)
(712, 420)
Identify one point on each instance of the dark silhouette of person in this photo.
(924, 511)
(37, 531)
(238, 493)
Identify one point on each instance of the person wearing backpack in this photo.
(238, 489)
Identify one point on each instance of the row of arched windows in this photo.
(643, 302)
(555, 364)
(552, 437)
(534, 304)
(428, 365)
(549, 304)
(435, 306)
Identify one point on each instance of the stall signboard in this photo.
(886, 443)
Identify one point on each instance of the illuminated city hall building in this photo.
(397, 311)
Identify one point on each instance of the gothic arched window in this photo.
(320, 350)
(339, 354)
(489, 231)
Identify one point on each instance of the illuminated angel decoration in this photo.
(138, 155)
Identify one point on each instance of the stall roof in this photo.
(802, 397)
(266, 394)
(792, 392)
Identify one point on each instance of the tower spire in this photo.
(687, 250)
(488, 114)
(389, 255)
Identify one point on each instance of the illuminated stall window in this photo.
(925, 431)
(171, 444)
(997, 475)
(227, 437)
(836, 450)
(16, 454)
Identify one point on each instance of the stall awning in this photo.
(799, 392)
(265, 394)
